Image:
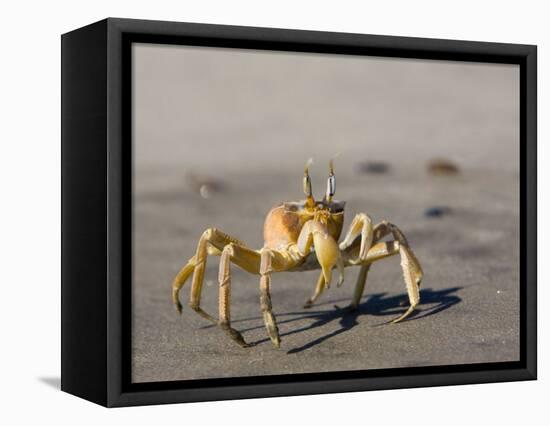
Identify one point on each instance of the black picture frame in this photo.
(97, 211)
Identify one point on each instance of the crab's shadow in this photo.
(378, 304)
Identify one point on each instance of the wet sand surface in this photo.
(250, 157)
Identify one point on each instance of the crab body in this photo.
(284, 222)
(299, 236)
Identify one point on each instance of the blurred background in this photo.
(221, 136)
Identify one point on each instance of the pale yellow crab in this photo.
(299, 236)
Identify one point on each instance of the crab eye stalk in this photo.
(331, 183)
(310, 202)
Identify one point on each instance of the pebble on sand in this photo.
(437, 211)
(441, 166)
(204, 185)
(374, 167)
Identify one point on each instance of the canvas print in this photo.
(302, 212)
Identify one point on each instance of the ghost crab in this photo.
(299, 236)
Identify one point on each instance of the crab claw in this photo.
(328, 254)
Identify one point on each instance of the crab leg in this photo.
(412, 271)
(360, 286)
(318, 291)
(248, 260)
(198, 276)
(212, 241)
(413, 275)
(265, 297)
(180, 280)
(376, 252)
(384, 228)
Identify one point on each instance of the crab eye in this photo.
(307, 186)
(331, 186)
(331, 182)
